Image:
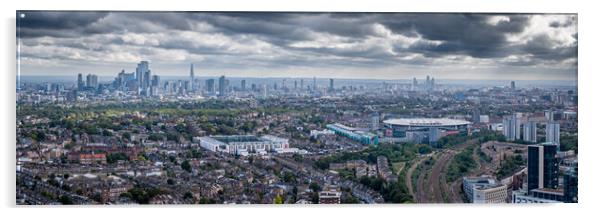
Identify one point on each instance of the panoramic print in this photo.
(135, 107)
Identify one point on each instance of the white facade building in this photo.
(246, 144)
(553, 132)
(484, 189)
(530, 132)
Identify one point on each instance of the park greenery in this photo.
(461, 164)
(394, 152)
(510, 165)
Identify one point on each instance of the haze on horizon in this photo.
(324, 45)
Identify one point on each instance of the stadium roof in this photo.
(427, 122)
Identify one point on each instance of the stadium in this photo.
(424, 130)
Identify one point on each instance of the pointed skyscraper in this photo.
(191, 72)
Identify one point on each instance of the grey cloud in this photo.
(456, 34)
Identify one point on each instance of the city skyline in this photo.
(324, 45)
(183, 108)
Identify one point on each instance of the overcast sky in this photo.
(337, 45)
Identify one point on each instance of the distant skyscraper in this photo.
(143, 76)
(429, 84)
(542, 167)
(432, 84)
(222, 86)
(553, 132)
(92, 81)
(80, 82)
(315, 84)
(243, 85)
(141, 70)
(530, 132)
(512, 85)
(210, 85)
(156, 81)
(147, 82)
(191, 73)
(331, 86)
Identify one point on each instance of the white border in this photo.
(589, 36)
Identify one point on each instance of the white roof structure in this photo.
(427, 122)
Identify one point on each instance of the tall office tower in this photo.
(147, 80)
(414, 84)
(530, 132)
(331, 86)
(222, 86)
(191, 73)
(570, 185)
(92, 81)
(512, 85)
(553, 133)
(264, 90)
(243, 85)
(80, 82)
(210, 85)
(542, 166)
(141, 69)
(432, 84)
(283, 86)
(155, 81)
(295, 84)
(315, 84)
(301, 84)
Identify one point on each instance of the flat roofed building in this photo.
(484, 189)
(353, 133)
(330, 196)
(245, 144)
(522, 196)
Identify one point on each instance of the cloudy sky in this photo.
(338, 45)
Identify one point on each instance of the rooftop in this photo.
(426, 122)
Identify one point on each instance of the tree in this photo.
(278, 199)
(170, 181)
(114, 157)
(186, 166)
(314, 187)
(65, 200)
(127, 136)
